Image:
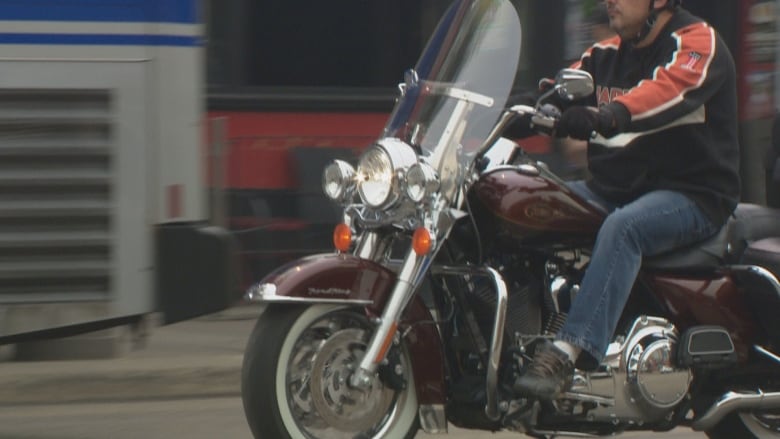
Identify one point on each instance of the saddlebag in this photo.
(762, 294)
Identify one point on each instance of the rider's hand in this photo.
(580, 122)
(521, 127)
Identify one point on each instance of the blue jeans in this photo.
(652, 224)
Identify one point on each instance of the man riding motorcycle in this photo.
(663, 154)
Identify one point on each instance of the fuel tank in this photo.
(532, 204)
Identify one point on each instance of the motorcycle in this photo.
(459, 253)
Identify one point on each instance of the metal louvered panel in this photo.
(55, 195)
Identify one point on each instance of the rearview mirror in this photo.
(573, 84)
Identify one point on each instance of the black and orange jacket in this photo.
(681, 119)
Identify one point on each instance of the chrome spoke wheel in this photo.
(346, 408)
(324, 350)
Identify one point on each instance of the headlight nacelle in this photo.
(421, 182)
(338, 181)
(381, 170)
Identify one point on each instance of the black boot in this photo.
(548, 376)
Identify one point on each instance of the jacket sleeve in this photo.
(678, 90)
(586, 62)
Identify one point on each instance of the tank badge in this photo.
(329, 292)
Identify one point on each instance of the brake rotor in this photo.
(342, 406)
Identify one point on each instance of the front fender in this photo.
(327, 278)
(347, 279)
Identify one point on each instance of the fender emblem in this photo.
(329, 292)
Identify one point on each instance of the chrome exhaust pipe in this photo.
(734, 401)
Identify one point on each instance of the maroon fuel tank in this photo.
(533, 205)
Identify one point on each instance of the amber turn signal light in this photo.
(422, 241)
(342, 237)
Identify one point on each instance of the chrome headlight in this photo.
(421, 182)
(338, 181)
(380, 170)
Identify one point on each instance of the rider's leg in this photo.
(657, 222)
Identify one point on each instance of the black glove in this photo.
(520, 127)
(580, 122)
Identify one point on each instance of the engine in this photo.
(638, 381)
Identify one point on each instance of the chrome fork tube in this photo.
(368, 245)
(409, 278)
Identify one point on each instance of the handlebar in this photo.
(544, 118)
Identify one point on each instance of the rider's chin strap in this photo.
(671, 5)
(648, 26)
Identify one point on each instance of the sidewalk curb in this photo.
(112, 380)
(197, 358)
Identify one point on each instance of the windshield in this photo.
(455, 95)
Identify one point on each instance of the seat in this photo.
(749, 223)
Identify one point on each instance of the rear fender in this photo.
(349, 280)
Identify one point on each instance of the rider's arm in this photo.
(681, 87)
(612, 118)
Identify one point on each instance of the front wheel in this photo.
(295, 378)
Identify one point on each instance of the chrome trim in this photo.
(291, 299)
(409, 277)
(469, 96)
(502, 297)
(734, 401)
(556, 286)
(450, 90)
(523, 168)
(499, 154)
(767, 352)
(506, 118)
(266, 293)
(491, 386)
(572, 84)
(629, 385)
(401, 157)
(585, 397)
(367, 245)
(345, 180)
(428, 182)
(433, 418)
(258, 292)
